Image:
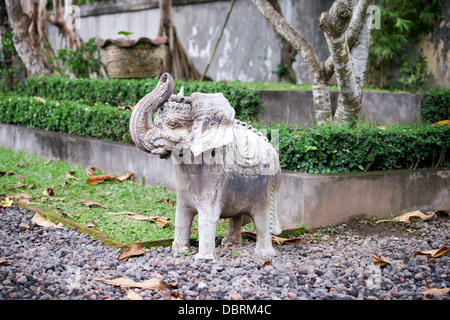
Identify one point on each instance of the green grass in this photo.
(302, 87)
(115, 196)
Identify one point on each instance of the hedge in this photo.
(121, 92)
(98, 121)
(332, 149)
(317, 149)
(436, 105)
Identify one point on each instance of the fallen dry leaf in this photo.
(4, 262)
(69, 175)
(70, 215)
(26, 201)
(408, 217)
(2, 173)
(121, 213)
(127, 107)
(43, 222)
(88, 203)
(22, 195)
(434, 292)
(440, 214)
(379, 260)
(235, 296)
(275, 239)
(443, 122)
(19, 186)
(91, 224)
(152, 284)
(24, 198)
(139, 217)
(91, 171)
(432, 253)
(131, 295)
(98, 179)
(135, 249)
(56, 199)
(249, 234)
(266, 263)
(104, 177)
(21, 178)
(19, 165)
(162, 221)
(48, 192)
(167, 200)
(175, 295)
(124, 176)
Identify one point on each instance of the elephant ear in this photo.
(213, 122)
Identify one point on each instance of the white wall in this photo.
(249, 50)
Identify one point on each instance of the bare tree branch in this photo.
(334, 24)
(359, 17)
(26, 43)
(321, 94)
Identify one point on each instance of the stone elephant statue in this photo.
(224, 167)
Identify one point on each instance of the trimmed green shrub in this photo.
(333, 149)
(97, 121)
(436, 105)
(121, 92)
(317, 149)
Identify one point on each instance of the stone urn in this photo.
(142, 58)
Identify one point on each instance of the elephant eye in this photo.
(173, 123)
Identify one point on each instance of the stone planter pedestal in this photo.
(142, 58)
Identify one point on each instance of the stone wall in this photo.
(295, 108)
(249, 50)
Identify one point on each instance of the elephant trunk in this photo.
(141, 121)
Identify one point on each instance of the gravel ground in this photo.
(39, 263)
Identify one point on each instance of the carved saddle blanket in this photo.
(250, 153)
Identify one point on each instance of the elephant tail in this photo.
(275, 227)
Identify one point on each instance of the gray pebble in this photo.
(51, 264)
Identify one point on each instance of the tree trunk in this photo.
(59, 19)
(26, 42)
(7, 58)
(347, 34)
(177, 60)
(321, 94)
(334, 23)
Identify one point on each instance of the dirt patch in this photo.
(364, 227)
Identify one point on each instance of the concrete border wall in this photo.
(313, 200)
(295, 108)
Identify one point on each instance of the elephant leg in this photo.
(264, 247)
(234, 231)
(207, 224)
(183, 223)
